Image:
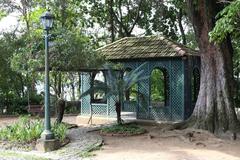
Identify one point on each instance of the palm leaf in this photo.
(116, 84)
(98, 86)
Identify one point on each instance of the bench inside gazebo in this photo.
(171, 89)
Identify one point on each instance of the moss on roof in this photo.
(145, 47)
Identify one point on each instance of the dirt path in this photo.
(170, 145)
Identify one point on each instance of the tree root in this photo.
(192, 123)
(180, 125)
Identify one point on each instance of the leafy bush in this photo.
(72, 107)
(27, 130)
(59, 131)
(126, 129)
(15, 105)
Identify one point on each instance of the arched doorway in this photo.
(98, 96)
(159, 88)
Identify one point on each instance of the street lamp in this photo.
(47, 22)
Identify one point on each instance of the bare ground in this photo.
(158, 144)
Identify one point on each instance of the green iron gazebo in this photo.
(177, 65)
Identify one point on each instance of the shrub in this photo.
(27, 130)
(72, 107)
(60, 131)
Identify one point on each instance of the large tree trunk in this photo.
(214, 110)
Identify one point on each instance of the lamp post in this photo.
(47, 22)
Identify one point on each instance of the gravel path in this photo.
(81, 140)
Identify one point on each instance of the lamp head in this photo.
(47, 20)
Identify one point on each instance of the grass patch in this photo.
(124, 129)
(88, 152)
(8, 154)
(28, 130)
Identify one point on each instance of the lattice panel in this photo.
(143, 98)
(177, 90)
(99, 109)
(130, 65)
(111, 106)
(130, 106)
(160, 113)
(85, 85)
(156, 64)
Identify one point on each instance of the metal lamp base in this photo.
(47, 135)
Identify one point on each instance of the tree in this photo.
(28, 10)
(11, 82)
(165, 18)
(70, 47)
(228, 24)
(123, 16)
(214, 110)
(117, 85)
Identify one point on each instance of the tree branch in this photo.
(180, 15)
(137, 16)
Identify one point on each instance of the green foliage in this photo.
(14, 155)
(2, 14)
(72, 107)
(27, 130)
(125, 129)
(22, 50)
(72, 47)
(133, 93)
(117, 86)
(227, 23)
(157, 85)
(86, 154)
(60, 131)
(164, 21)
(15, 105)
(10, 81)
(88, 151)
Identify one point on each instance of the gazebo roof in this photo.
(145, 47)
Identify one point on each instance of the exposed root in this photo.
(196, 124)
(180, 125)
